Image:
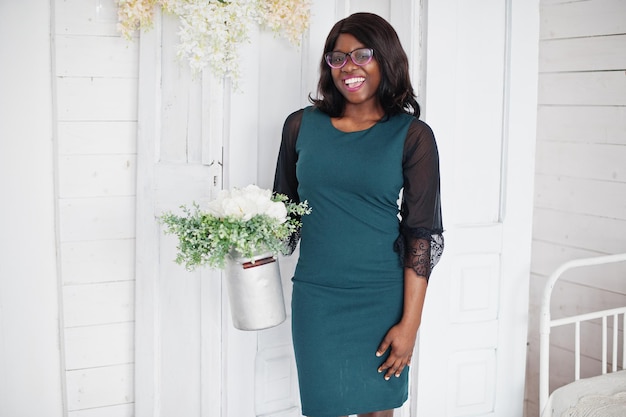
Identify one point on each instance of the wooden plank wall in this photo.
(580, 197)
(30, 368)
(96, 101)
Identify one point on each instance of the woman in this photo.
(361, 277)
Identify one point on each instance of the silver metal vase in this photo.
(255, 292)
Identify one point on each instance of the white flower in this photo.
(246, 203)
(211, 32)
(277, 210)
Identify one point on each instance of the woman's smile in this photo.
(353, 83)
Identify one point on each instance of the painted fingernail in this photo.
(387, 377)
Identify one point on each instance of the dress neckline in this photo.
(330, 122)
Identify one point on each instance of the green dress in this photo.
(348, 283)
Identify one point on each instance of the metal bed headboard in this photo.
(546, 324)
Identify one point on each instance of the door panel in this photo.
(481, 79)
(175, 347)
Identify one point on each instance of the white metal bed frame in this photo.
(546, 324)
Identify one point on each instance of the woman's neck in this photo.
(358, 117)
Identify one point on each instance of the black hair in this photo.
(395, 91)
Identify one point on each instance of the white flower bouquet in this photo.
(211, 32)
(244, 222)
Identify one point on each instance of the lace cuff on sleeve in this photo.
(420, 249)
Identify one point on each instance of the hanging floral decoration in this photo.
(243, 222)
(211, 31)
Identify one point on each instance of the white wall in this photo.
(30, 379)
(68, 113)
(580, 199)
(95, 77)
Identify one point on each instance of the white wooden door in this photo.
(481, 78)
(197, 135)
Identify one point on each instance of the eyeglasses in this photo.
(360, 57)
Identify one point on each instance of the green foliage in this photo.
(207, 240)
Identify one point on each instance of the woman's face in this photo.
(358, 84)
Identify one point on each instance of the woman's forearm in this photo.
(414, 296)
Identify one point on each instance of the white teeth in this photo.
(356, 80)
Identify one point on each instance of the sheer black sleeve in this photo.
(285, 180)
(420, 243)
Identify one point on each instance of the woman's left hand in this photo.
(401, 339)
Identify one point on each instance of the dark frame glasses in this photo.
(360, 57)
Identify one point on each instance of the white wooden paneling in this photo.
(472, 383)
(94, 138)
(580, 186)
(581, 160)
(601, 234)
(582, 196)
(96, 56)
(97, 218)
(586, 124)
(275, 381)
(478, 129)
(96, 87)
(87, 98)
(179, 343)
(243, 142)
(547, 256)
(180, 184)
(569, 19)
(94, 261)
(179, 314)
(99, 387)
(583, 54)
(481, 102)
(124, 410)
(94, 304)
(91, 347)
(583, 88)
(79, 17)
(180, 104)
(475, 288)
(347, 7)
(607, 287)
(573, 298)
(272, 117)
(275, 337)
(30, 362)
(96, 175)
